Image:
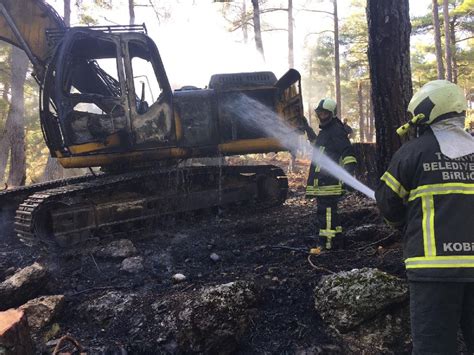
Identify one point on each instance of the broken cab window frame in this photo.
(146, 49)
(158, 69)
(69, 101)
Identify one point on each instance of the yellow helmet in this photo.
(435, 99)
(328, 105)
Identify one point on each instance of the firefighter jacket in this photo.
(432, 196)
(332, 141)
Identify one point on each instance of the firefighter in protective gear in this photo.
(428, 192)
(333, 142)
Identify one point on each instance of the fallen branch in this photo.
(98, 288)
(60, 345)
(319, 267)
(376, 242)
(93, 259)
(301, 250)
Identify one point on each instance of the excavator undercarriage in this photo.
(118, 205)
(67, 213)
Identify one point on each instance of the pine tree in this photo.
(389, 60)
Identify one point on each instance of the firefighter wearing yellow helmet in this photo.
(428, 192)
(332, 141)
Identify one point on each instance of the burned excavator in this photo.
(105, 101)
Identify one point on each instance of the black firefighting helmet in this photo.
(327, 105)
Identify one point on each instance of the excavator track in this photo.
(10, 199)
(133, 203)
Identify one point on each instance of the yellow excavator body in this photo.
(105, 101)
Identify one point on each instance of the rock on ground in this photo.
(348, 298)
(132, 265)
(122, 248)
(215, 319)
(387, 333)
(367, 310)
(14, 333)
(42, 310)
(22, 286)
(104, 310)
(178, 278)
(208, 320)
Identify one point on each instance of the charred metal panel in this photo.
(89, 127)
(155, 126)
(290, 100)
(242, 80)
(197, 112)
(291, 77)
(152, 126)
(235, 119)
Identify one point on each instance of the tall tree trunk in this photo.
(4, 151)
(336, 59)
(371, 118)
(389, 60)
(53, 170)
(16, 118)
(310, 114)
(360, 102)
(257, 29)
(291, 64)
(131, 11)
(367, 115)
(4, 139)
(452, 33)
(67, 12)
(245, 29)
(291, 57)
(447, 39)
(6, 89)
(437, 38)
(310, 89)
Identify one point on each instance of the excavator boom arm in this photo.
(23, 23)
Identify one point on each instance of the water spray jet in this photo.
(272, 125)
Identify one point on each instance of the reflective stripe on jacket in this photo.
(332, 141)
(433, 196)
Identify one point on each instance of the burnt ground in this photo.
(268, 247)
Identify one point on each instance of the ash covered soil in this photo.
(108, 309)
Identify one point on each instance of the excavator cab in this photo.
(99, 105)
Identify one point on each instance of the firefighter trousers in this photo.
(328, 221)
(437, 310)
